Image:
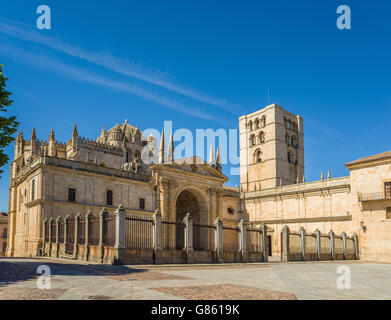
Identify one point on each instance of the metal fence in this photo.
(61, 232)
(294, 243)
(173, 235)
(109, 230)
(70, 236)
(203, 237)
(93, 231)
(47, 231)
(81, 232)
(53, 228)
(310, 244)
(230, 239)
(138, 232)
(254, 240)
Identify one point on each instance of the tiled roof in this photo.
(375, 157)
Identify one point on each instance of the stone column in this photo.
(285, 243)
(302, 243)
(318, 244)
(243, 240)
(332, 251)
(66, 219)
(188, 222)
(163, 185)
(86, 246)
(355, 239)
(44, 222)
(120, 244)
(343, 234)
(157, 236)
(102, 216)
(219, 240)
(75, 246)
(58, 235)
(264, 243)
(50, 237)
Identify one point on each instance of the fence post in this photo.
(343, 234)
(302, 243)
(188, 222)
(332, 250)
(75, 246)
(318, 244)
(58, 235)
(219, 240)
(355, 239)
(50, 236)
(264, 243)
(243, 240)
(44, 221)
(66, 219)
(86, 246)
(102, 216)
(157, 236)
(120, 245)
(285, 243)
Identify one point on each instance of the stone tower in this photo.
(271, 148)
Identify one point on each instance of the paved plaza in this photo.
(274, 280)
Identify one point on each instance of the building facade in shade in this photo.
(3, 232)
(51, 178)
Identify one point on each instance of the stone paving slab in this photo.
(85, 281)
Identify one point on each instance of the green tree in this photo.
(8, 125)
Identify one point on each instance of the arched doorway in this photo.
(190, 201)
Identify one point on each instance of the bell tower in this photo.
(271, 148)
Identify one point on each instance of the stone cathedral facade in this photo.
(51, 178)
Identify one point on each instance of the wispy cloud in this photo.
(108, 61)
(83, 75)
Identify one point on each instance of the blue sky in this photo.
(202, 64)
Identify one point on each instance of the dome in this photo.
(118, 132)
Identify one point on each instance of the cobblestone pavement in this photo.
(275, 280)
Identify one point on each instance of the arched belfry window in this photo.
(263, 121)
(261, 137)
(250, 125)
(256, 122)
(109, 197)
(252, 140)
(257, 156)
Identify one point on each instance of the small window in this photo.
(231, 210)
(142, 203)
(71, 194)
(289, 157)
(252, 140)
(388, 213)
(109, 197)
(5, 233)
(387, 190)
(4, 246)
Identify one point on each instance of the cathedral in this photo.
(122, 166)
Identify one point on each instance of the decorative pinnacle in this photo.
(74, 132)
(33, 135)
(51, 136)
(211, 156)
(328, 174)
(171, 148)
(321, 175)
(161, 154)
(218, 158)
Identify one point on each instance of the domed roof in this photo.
(121, 130)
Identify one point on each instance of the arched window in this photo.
(261, 137)
(252, 140)
(151, 154)
(137, 155)
(250, 125)
(287, 139)
(263, 121)
(289, 157)
(257, 156)
(256, 122)
(109, 197)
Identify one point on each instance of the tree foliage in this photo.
(8, 125)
